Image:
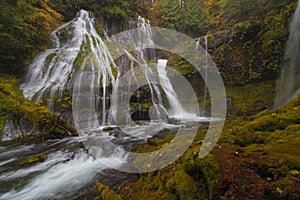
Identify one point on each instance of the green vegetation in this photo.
(247, 100)
(34, 159)
(108, 128)
(255, 49)
(246, 38)
(20, 110)
(24, 31)
(246, 43)
(83, 53)
(106, 193)
(187, 178)
(188, 16)
(269, 145)
(267, 126)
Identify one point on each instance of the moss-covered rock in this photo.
(266, 149)
(106, 193)
(108, 128)
(267, 126)
(187, 178)
(85, 50)
(34, 159)
(2, 122)
(255, 49)
(250, 99)
(17, 108)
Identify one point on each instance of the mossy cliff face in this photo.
(255, 48)
(252, 98)
(19, 110)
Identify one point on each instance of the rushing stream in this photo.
(67, 168)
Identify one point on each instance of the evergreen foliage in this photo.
(24, 30)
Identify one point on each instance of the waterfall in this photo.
(143, 50)
(78, 55)
(206, 72)
(198, 44)
(53, 72)
(206, 68)
(176, 109)
(289, 82)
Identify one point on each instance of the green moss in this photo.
(85, 50)
(269, 145)
(181, 65)
(145, 106)
(206, 170)
(106, 193)
(160, 142)
(285, 188)
(49, 58)
(2, 122)
(166, 130)
(187, 178)
(115, 71)
(17, 108)
(268, 126)
(108, 128)
(250, 99)
(34, 159)
(171, 182)
(100, 29)
(243, 31)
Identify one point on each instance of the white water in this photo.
(17, 150)
(64, 177)
(289, 82)
(55, 70)
(174, 103)
(176, 109)
(61, 174)
(198, 44)
(52, 74)
(145, 36)
(206, 68)
(51, 160)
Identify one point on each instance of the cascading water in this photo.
(175, 105)
(206, 68)
(76, 47)
(78, 50)
(289, 82)
(145, 40)
(62, 175)
(198, 44)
